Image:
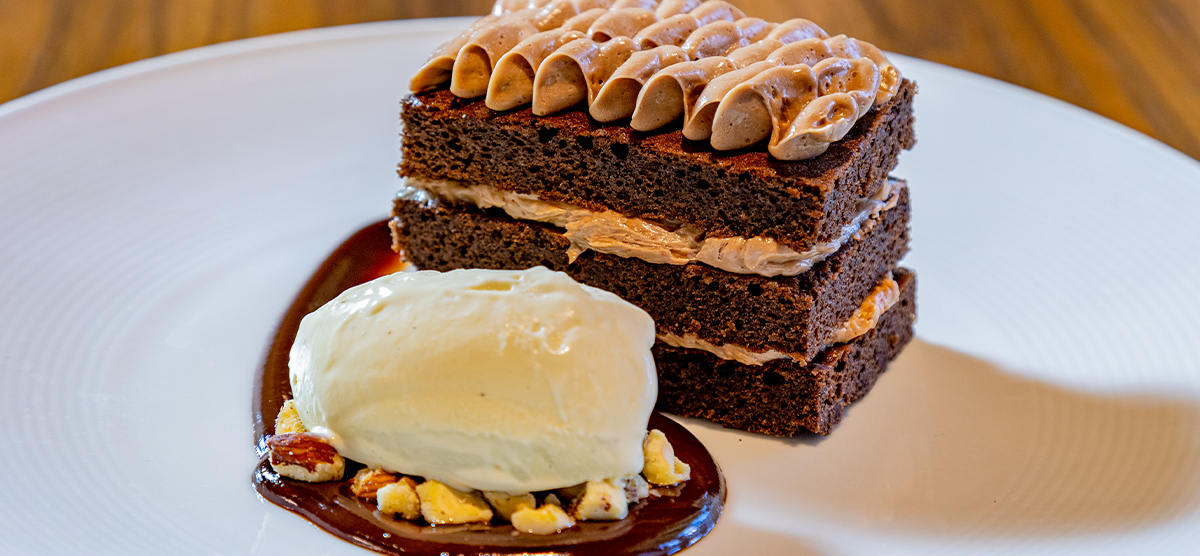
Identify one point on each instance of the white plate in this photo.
(156, 219)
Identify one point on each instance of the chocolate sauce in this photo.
(664, 524)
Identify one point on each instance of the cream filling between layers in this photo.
(883, 297)
(732, 352)
(615, 234)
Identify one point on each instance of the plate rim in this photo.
(333, 35)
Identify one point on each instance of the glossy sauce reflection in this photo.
(665, 524)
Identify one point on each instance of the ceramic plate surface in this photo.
(156, 220)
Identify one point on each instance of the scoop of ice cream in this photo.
(493, 380)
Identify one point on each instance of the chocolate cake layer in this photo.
(660, 176)
(791, 314)
(783, 397)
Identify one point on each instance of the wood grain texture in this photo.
(1135, 62)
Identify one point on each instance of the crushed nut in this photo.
(662, 467)
(636, 488)
(505, 504)
(399, 498)
(441, 504)
(368, 481)
(300, 455)
(601, 500)
(288, 419)
(305, 457)
(546, 520)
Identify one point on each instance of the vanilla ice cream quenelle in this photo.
(512, 381)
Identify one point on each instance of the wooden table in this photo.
(1137, 62)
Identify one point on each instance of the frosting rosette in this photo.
(725, 78)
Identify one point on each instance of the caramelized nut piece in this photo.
(546, 520)
(636, 488)
(441, 505)
(368, 481)
(305, 457)
(505, 504)
(662, 467)
(400, 498)
(602, 500)
(288, 419)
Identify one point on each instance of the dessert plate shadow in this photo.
(156, 220)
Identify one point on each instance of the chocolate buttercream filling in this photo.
(885, 294)
(655, 242)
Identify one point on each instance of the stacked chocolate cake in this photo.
(772, 276)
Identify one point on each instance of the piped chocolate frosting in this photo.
(732, 80)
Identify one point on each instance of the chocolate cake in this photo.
(659, 176)
(792, 314)
(728, 175)
(783, 397)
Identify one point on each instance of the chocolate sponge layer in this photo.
(795, 314)
(661, 176)
(783, 397)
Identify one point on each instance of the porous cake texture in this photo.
(728, 175)
(791, 314)
(662, 176)
(783, 397)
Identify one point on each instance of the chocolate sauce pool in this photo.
(665, 524)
